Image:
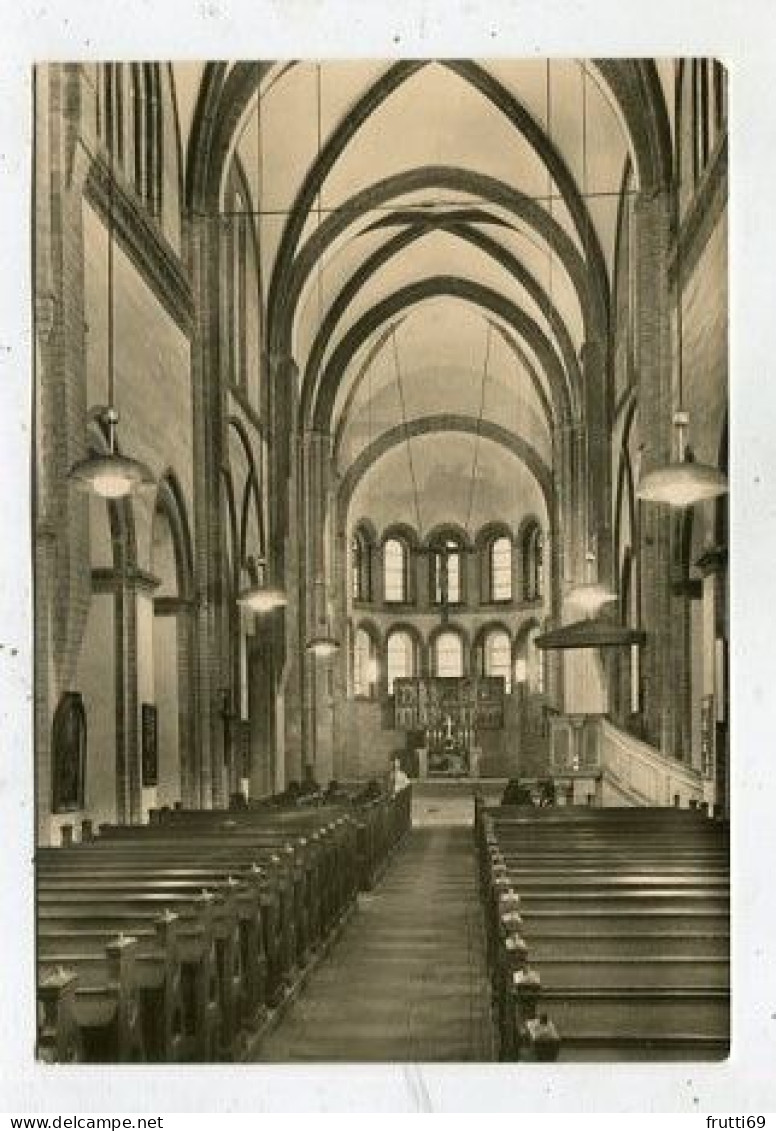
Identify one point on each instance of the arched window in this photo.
(395, 570)
(356, 555)
(702, 109)
(400, 657)
(500, 569)
(239, 267)
(498, 656)
(360, 567)
(532, 562)
(447, 572)
(364, 664)
(236, 249)
(448, 654)
(129, 123)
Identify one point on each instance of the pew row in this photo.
(625, 915)
(179, 940)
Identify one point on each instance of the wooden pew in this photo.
(222, 908)
(326, 857)
(243, 885)
(158, 975)
(206, 1008)
(283, 860)
(105, 1002)
(236, 927)
(626, 917)
(262, 897)
(316, 904)
(59, 1034)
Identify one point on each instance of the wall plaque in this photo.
(68, 745)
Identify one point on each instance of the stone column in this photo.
(284, 547)
(212, 670)
(340, 581)
(652, 223)
(314, 593)
(598, 478)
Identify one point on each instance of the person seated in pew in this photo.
(309, 790)
(515, 793)
(370, 792)
(335, 792)
(546, 793)
(289, 795)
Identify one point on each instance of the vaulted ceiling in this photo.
(440, 237)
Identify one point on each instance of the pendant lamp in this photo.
(261, 596)
(110, 475)
(591, 596)
(322, 644)
(683, 482)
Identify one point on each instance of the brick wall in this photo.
(153, 390)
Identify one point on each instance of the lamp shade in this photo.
(262, 598)
(111, 476)
(590, 597)
(682, 484)
(323, 645)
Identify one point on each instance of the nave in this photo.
(407, 980)
(380, 449)
(346, 933)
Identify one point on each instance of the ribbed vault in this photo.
(378, 225)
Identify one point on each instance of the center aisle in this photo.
(407, 979)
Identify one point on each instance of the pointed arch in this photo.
(317, 405)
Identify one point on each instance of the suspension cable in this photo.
(478, 432)
(400, 387)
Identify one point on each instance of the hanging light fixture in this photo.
(110, 475)
(261, 596)
(323, 643)
(683, 482)
(591, 596)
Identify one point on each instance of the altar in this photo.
(447, 713)
(460, 763)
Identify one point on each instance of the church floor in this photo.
(406, 981)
